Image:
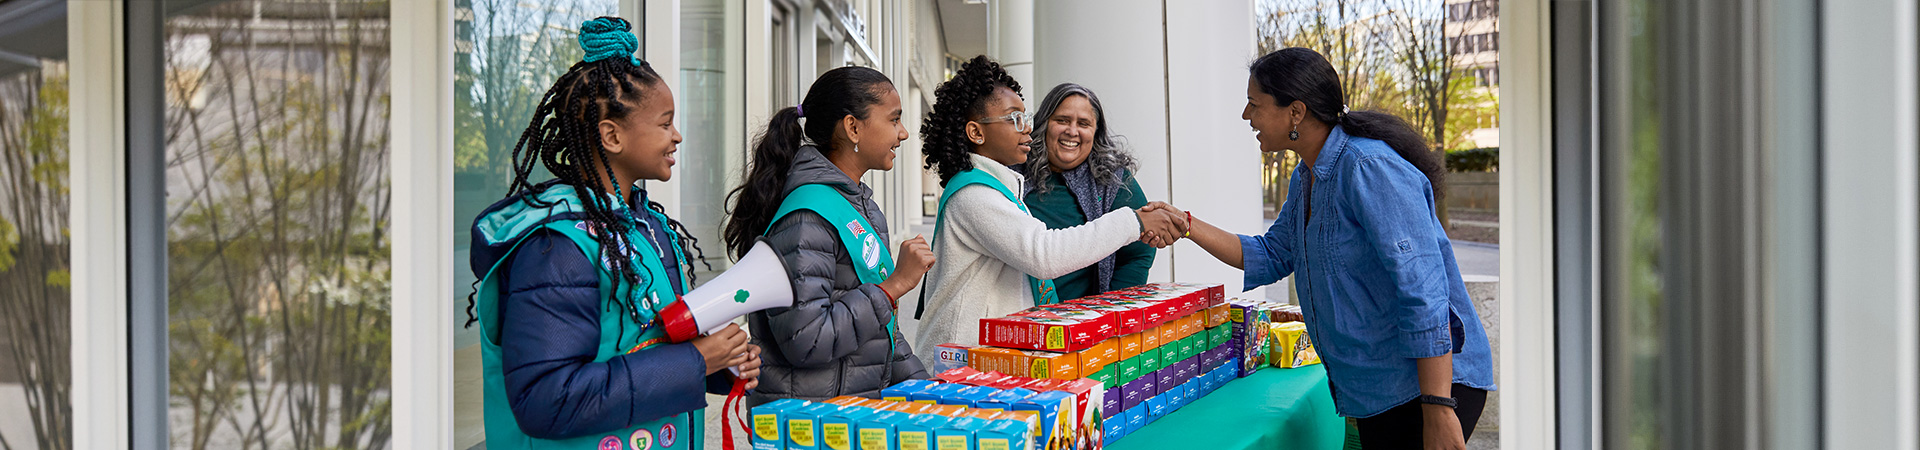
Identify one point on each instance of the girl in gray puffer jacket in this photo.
(839, 337)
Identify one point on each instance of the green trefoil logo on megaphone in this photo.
(740, 296)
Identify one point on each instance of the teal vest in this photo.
(619, 335)
(1043, 292)
(871, 260)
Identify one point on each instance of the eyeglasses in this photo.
(1022, 122)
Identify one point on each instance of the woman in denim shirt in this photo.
(1404, 350)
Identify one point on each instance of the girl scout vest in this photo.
(619, 334)
(1043, 293)
(871, 260)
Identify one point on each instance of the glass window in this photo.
(506, 55)
(35, 376)
(704, 103)
(277, 223)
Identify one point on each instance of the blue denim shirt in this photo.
(1375, 273)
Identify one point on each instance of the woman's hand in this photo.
(910, 264)
(1442, 428)
(725, 348)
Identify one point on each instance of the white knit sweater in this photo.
(988, 247)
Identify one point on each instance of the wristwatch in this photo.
(1438, 400)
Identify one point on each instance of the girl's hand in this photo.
(912, 262)
(750, 370)
(725, 348)
(1162, 226)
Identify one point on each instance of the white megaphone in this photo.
(759, 281)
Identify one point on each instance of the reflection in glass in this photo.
(35, 369)
(703, 124)
(277, 216)
(507, 53)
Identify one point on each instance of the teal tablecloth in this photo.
(1273, 409)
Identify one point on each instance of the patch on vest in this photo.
(854, 226)
(666, 436)
(613, 442)
(870, 251)
(641, 439)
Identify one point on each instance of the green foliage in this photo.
(1472, 107)
(1474, 160)
(9, 243)
(34, 282)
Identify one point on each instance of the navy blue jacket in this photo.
(551, 331)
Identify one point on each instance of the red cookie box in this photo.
(1175, 303)
(1091, 395)
(1108, 320)
(1152, 313)
(957, 375)
(1192, 296)
(1130, 318)
(1044, 333)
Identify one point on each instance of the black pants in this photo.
(1402, 427)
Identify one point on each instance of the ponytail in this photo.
(1409, 143)
(1299, 74)
(759, 195)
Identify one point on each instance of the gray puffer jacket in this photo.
(833, 341)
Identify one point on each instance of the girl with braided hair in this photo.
(574, 270)
(995, 258)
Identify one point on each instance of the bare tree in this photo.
(278, 308)
(1426, 52)
(1355, 36)
(34, 289)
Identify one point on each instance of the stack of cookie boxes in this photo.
(1154, 348)
(967, 410)
(1267, 334)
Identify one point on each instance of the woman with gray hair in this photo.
(1078, 171)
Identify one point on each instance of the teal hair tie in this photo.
(609, 37)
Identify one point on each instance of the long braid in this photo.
(562, 136)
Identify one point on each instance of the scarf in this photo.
(1095, 199)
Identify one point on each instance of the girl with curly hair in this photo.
(995, 258)
(574, 272)
(1078, 172)
(803, 196)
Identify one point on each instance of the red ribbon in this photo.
(736, 399)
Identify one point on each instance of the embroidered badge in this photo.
(666, 435)
(870, 251)
(610, 443)
(855, 227)
(641, 439)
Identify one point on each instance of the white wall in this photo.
(1146, 59)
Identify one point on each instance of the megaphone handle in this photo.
(735, 369)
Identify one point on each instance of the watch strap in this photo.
(1438, 400)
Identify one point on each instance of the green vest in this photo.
(871, 260)
(1043, 292)
(619, 335)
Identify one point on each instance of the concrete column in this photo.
(1010, 40)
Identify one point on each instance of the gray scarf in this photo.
(1095, 199)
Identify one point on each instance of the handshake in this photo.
(1164, 224)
